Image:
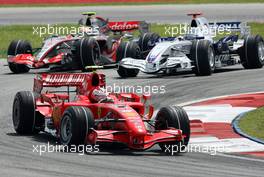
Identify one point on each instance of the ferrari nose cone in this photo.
(137, 127)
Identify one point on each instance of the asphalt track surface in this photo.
(18, 158)
(150, 13)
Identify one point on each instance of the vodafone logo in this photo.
(123, 26)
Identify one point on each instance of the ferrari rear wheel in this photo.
(203, 57)
(75, 125)
(252, 53)
(176, 117)
(24, 115)
(15, 48)
(127, 49)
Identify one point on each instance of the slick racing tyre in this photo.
(203, 57)
(87, 52)
(252, 52)
(176, 117)
(15, 48)
(147, 42)
(24, 115)
(127, 49)
(75, 124)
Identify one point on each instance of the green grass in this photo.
(137, 3)
(15, 32)
(253, 123)
(25, 32)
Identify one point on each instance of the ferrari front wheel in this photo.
(75, 124)
(175, 117)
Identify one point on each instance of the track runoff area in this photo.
(213, 124)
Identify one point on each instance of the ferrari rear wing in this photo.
(241, 27)
(65, 79)
(120, 26)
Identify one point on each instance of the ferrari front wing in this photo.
(142, 142)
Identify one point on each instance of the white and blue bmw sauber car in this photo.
(198, 52)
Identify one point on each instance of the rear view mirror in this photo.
(146, 97)
(149, 109)
(150, 112)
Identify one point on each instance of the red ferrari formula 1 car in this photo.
(99, 42)
(78, 118)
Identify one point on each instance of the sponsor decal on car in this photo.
(122, 26)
